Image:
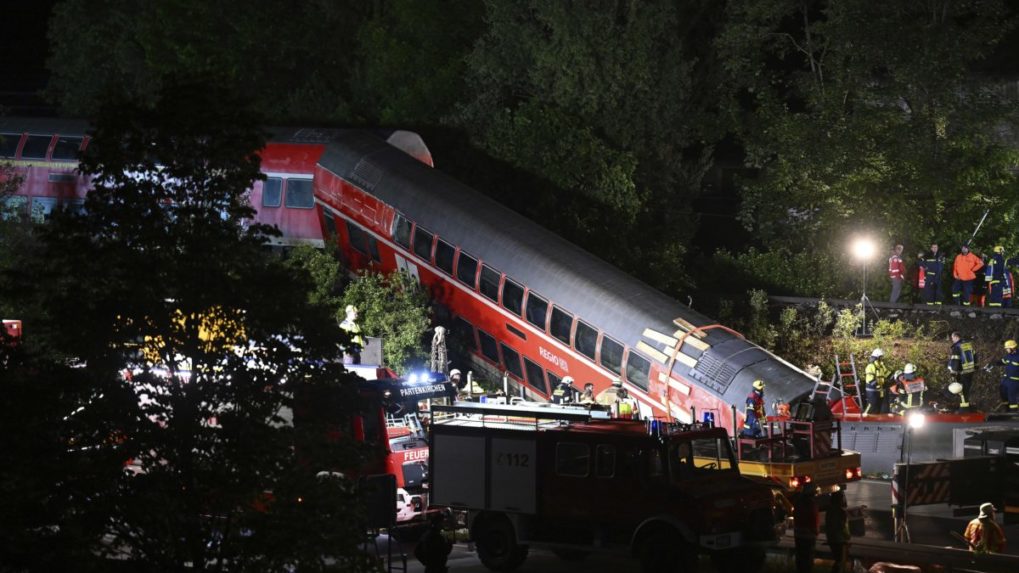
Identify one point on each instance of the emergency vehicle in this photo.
(577, 481)
(12, 328)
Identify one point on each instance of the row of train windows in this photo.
(38, 147)
(521, 368)
(293, 193)
(559, 323)
(38, 208)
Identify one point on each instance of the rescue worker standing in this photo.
(983, 534)
(874, 381)
(896, 273)
(1010, 379)
(806, 525)
(994, 275)
(754, 414)
(565, 393)
(964, 271)
(962, 363)
(836, 529)
(587, 396)
(352, 353)
(932, 267)
(626, 405)
(433, 548)
(607, 397)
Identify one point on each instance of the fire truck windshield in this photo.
(699, 458)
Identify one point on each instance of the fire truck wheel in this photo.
(497, 544)
(665, 552)
(744, 560)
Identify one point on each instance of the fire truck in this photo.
(12, 328)
(576, 481)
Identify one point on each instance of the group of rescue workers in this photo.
(615, 398)
(990, 277)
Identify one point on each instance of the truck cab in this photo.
(576, 481)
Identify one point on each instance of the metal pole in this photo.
(977, 230)
(905, 486)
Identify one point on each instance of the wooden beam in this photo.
(659, 337)
(652, 352)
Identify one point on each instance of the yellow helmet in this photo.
(1011, 345)
(758, 384)
(999, 249)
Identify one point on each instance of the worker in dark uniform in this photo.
(565, 393)
(836, 529)
(754, 414)
(994, 276)
(433, 548)
(933, 266)
(1009, 388)
(806, 526)
(875, 376)
(962, 363)
(908, 388)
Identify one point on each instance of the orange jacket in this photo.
(966, 266)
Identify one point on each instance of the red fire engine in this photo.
(577, 481)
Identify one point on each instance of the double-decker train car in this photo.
(528, 302)
(44, 152)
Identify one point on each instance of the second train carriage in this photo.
(529, 302)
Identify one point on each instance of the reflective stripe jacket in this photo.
(1011, 364)
(875, 374)
(995, 270)
(932, 265)
(896, 268)
(962, 360)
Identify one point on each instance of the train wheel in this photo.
(497, 544)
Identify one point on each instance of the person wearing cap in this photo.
(932, 266)
(983, 534)
(565, 393)
(964, 271)
(352, 353)
(962, 363)
(896, 273)
(806, 526)
(754, 414)
(1009, 387)
(874, 382)
(995, 275)
(607, 397)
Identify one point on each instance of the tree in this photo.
(394, 307)
(871, 117)
(162, 277)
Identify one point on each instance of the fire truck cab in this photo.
(576, 481)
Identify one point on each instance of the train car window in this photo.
(66, 148)
(489, 348)
(511, 359)
(535, 376)
(76, 206)
(512, 296)
(444, 256)
(300, 194)
(358, 239)
(373, 246)
(490, 282)
(423, 244)
(638, 370)
(42, 207)
(13, 207)
(36, 147)
(587, 339)
(572, 459)
(330, 223)
(401, 231)
(516, 331)
(467, 269)
(464, 332)
(553, 380)
(9, 144)
(561, 325)
(272, 192)
(611, 355)
(537, 310)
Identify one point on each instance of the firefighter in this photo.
(607, 397)
(908, 389)
(1009, 387)
(995, 277)
(874, 380)
(962, 363)
(754, 414)
(352, 353)
(983, 534)
(806, 526)
(626, 406)
(931, 267)
(565, 393)
(964, 271)
(433, 548)
(836, 529)
(896, 272)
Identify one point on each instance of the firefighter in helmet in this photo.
(607, 397)
(352, 353)
(962, 363)
(908, 389)
(565, 393)
(875, 376)
(754, 414)
(1009, 388)
(994, 276)
(626, 406)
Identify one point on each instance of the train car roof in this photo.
(597, 292)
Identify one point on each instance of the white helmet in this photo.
(909, 368)
(617, 382)
(877, 353)
(454, 372)
(567, 380)
(955, 388)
